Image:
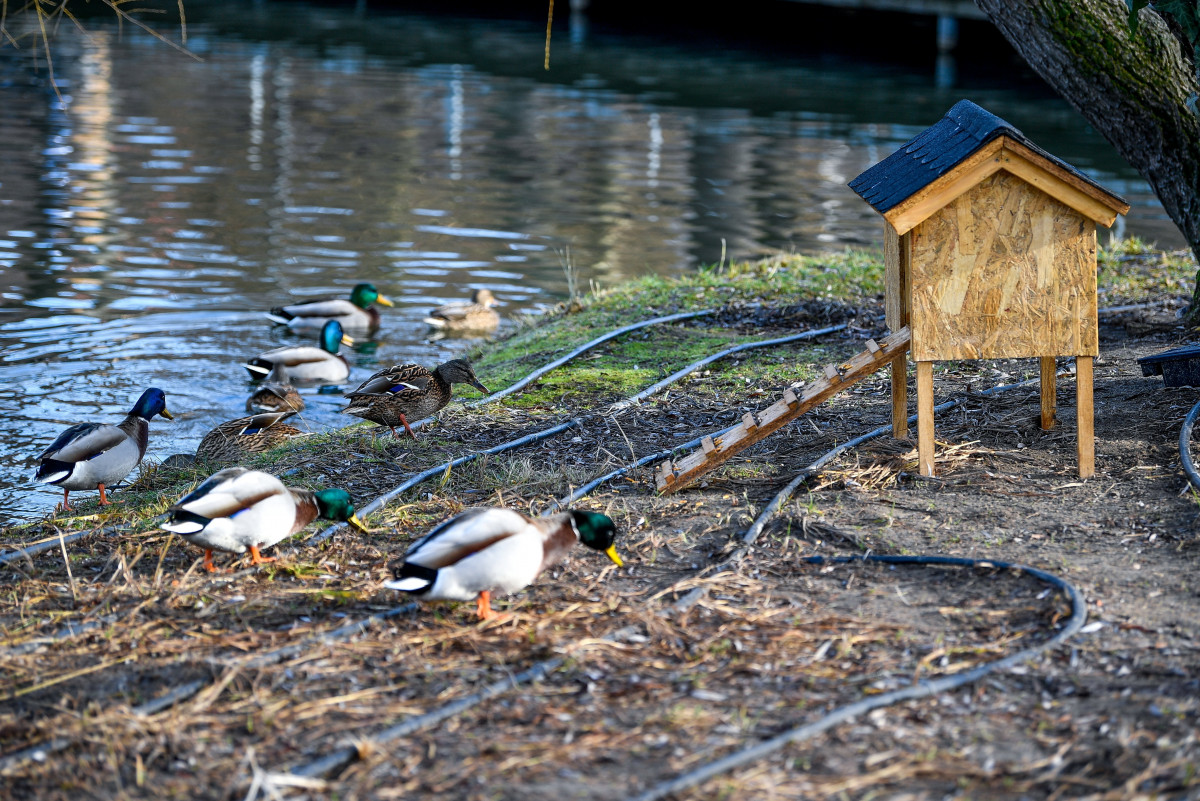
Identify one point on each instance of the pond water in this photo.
(154, 208)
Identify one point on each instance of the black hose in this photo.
(921, 689)
(1185, 447)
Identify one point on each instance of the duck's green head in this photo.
(332, 336)
(363, 295)
(152, 402)
(597, 532)
(335, 504)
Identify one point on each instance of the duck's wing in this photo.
(465, 534)
(331, 307)
(453, 312)
(229, 491)
(263, 421)
(84, 441)
(296, 356)
(395, 380)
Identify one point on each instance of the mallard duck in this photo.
(478, 315)
(237, 510)
(355, 314)
(95, 455)
(306, 363)
(393, 395)
(490, 549)
(276, 393)
(239, 438)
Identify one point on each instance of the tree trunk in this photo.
(1132, 87)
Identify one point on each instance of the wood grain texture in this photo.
(1061, 184)
(900, 396)
(1003, 271)
(1085, 437)
(674, 475)
(1049, 389)
(925, 418)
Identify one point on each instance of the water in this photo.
(153, 212)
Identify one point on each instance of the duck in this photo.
(239, 438)
(355, 314)
(476, 316)
(239, 510)
(305, 362)
(276, 394)
(96, 455)
(393, 395)
(490, 549)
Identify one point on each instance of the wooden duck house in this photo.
(990, 252)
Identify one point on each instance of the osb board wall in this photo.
(1004, 270)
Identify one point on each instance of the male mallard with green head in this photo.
(478, 316)
(239, 510)
(239, 438)
(96, 455)
(305, 362)
(356, 314)
(491, 549)
(392, 396)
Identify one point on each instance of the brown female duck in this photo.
(275, 394)
(239, 438)
(393, 395)
(478, 316)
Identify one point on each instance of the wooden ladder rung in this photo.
(757, 425)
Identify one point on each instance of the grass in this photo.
(1131, 270)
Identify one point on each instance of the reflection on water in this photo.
(150, 215)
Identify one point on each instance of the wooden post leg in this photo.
(1049, 391)
(925, 418)
(900, 396)
(1085, 446)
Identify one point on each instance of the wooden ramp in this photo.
(671, 476)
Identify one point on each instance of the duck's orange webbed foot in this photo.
(257, 558)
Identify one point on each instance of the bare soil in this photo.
(646, 678)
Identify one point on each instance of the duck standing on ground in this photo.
(95, 455)
(393, 395)
(239, 510)
(239, 438)
(478, 316)
(356, 314)
(276, 394)
(305, 362)
(491, 549)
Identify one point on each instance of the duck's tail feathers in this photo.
(412, 578)
(52, 471)
(280, 315)
(259, 368)
(436, 322)
(184, 522)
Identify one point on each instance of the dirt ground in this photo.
(135, 675)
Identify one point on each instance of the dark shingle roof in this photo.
(937, 150)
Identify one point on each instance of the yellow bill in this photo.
(612, 554)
